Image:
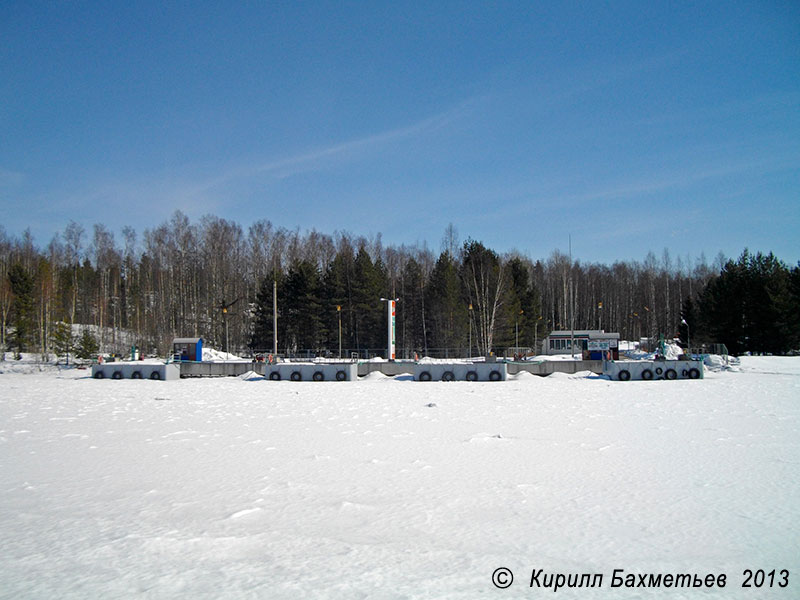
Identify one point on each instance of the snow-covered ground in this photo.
(388, 488)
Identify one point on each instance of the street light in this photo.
(688, 343)
(516, 331)
(470, 330)
(339, 312)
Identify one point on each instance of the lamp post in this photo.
(339, 313)
(470, 330)
(225, 318)
(688, 342)
(516, 332)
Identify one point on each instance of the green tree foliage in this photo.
(485, 280)
(749, 306)
(62, 339)
(447, 305)
(171, 282)
(87, 346)
(261, 337)
(522, 306)
(337, 292)
(22, 308)
(411, 334)
(370, 284)
(303, 318)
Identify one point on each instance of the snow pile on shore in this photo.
(214, 355)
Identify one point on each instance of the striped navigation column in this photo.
(391, 305)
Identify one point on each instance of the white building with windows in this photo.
(589, 343)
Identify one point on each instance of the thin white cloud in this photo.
(319, 158)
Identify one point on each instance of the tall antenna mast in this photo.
(571, 304)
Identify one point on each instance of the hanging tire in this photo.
(694, 373)
(472, 376)
(275, 376)
(136, 375)
(670, 374)
(495, 376)
(684, 373)
(116, 375)
(99, 375)
(624, 375)
(647, 374)
(659, 371)
(318, 376)
(155, 375)
(341, 376)
(448, 376)
(296, 376)
(425, 376)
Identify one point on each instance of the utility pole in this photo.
(275, 318)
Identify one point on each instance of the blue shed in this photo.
(187, 349)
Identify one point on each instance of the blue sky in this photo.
(627, 126)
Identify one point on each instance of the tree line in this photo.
(214, 279)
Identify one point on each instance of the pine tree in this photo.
(87, 345)
(302, 314)
(410, 329)
(749, 306)
(522, 305)
(485, 280)
(62, 339)
(336, 293)
(447, 305)
(22, 307)
(370, 283)
(261, 337)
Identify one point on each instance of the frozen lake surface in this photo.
(388, 488)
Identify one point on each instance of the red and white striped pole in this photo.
(391, 305)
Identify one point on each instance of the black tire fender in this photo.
(341, 376)
(670, 374)
(694, 373)
(275, 376)
(495, 375)
(116, 375)
(296, 376)
(136, 375)
(99, 375)
(425, 376)
(155, 375)
(318, 376)
(647, 374)
(624, 375)
(659, 371)
(472, 376)
(448, 376)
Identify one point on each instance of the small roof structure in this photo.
(187, 349)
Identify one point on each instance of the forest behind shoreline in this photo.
(214, 279)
